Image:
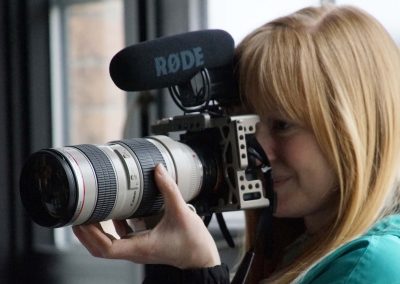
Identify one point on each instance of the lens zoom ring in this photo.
(149, 156)
(106, 182)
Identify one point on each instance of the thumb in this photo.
(169, 189)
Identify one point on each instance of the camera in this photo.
(216, 162)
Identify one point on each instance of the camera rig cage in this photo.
(243, 182)
(231, 134)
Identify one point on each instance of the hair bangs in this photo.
(276, 84)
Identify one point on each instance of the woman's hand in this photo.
(180, 238)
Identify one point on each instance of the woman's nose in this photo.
(268, 145)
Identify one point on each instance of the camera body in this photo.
(225, 138)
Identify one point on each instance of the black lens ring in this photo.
(32, 200)
(106, 181)
(148, 156)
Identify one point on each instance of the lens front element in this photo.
(48, 188)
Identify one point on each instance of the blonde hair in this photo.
(337, 70)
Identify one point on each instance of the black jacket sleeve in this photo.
(157, 274)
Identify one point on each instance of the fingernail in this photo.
(161, 169)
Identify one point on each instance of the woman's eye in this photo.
(281, 125)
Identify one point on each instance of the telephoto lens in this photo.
(90, 183)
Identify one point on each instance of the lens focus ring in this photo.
(148, 156)
(106, 181)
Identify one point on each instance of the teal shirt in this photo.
(372, 258)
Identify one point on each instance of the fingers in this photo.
(122, 228)
(162, 244)
(101, 244)
(93, 237)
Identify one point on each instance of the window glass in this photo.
(239, 17)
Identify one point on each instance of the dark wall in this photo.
(25, 123)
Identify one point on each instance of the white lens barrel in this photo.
(129, 181)
(188, 167)
(86, 184)
(129, 164)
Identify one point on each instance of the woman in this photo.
(334, 73)
(325, 83)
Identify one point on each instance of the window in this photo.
(239, 17)
(88, 107)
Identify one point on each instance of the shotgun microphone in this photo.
(171, 60)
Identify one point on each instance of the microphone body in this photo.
(172, 60)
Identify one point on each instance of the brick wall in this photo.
(96, 106)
